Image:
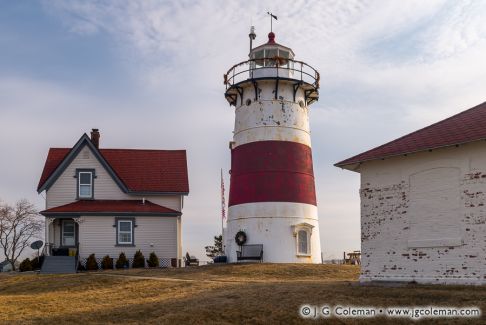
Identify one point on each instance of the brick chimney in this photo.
(95, 137)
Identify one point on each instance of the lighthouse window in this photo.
(270, 55)
(258, 56)
(283, 55)
(302, 233)
(303, 242)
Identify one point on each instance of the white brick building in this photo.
(423, 196)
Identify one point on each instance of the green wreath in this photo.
(240, 238)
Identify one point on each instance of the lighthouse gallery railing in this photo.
(277, 67)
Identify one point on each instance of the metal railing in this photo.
(47, 249)
(276, 66)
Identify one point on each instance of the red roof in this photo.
(271, 41)
(467, 126)
(54, 158)
(110, 206)
(139, 170)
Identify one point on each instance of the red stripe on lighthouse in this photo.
(272, 171)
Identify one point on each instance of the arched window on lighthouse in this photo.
(302, 233)
(303, 242)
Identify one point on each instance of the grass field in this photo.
(227, 294)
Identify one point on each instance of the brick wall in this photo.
(423, 217)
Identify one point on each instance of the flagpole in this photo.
(223, 206)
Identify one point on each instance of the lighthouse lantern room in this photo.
(272, 200)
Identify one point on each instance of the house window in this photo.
(302, 233)
(125, 232)
(85, 183)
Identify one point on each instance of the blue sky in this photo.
(149, 75)
(37, 45)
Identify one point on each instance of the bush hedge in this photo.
(138, 260)
(107, 263)
(153, 260)
(91, 264)
(25, 265)
(122, 261)
(35, 262)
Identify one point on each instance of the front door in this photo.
(68, 233)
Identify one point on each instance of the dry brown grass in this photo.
(240, 294)
(253, 272)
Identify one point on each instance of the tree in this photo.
(217, 249)
(19, 225)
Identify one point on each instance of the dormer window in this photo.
(85, 183)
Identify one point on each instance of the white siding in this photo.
(55, 233)
(152, 234)
(63, 191)
(423, 216)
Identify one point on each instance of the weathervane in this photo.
(272, 16)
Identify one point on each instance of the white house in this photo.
(107, 201)
(423, 196)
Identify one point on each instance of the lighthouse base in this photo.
(289, 232)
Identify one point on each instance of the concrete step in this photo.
(58, 264)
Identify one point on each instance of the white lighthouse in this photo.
(272, 200)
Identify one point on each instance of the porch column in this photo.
(78, 221)
(47, 243)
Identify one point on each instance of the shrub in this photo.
(122, 261)
(107, 263)
(26, 265)
(35, 262)
(81, 266)
(138, 260)
(153, 260)
(91, 264)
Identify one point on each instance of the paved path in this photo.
(141, 277)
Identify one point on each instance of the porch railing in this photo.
(76, 257)
(47, 249)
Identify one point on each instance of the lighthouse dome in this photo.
(271, 62)
(271, 53)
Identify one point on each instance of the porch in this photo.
(62, 237)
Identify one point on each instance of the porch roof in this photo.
(110, 207)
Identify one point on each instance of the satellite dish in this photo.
(37, 244)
